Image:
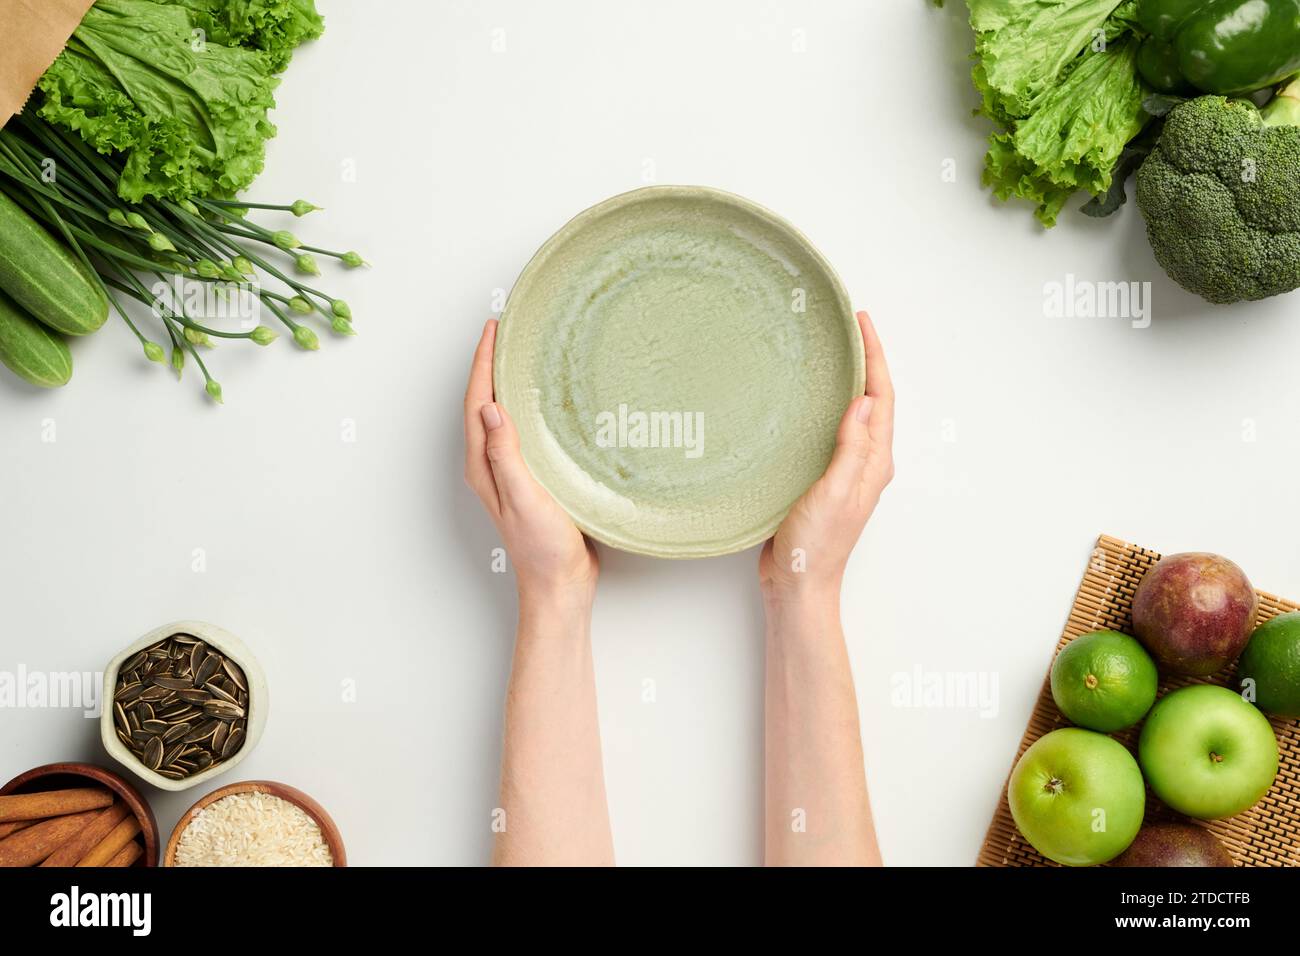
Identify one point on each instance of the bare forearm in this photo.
(817, 811)
(552, 779)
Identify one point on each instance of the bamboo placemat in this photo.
(1268, 834)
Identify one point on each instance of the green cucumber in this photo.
(43, 276)
(30, 350)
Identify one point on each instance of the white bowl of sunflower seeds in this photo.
(184, 703)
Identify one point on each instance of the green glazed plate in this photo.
(677, 360)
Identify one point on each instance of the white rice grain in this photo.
(252, 829)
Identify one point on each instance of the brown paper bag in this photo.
(32, 33)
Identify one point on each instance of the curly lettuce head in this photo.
(187, 113)
(1074, 137)
(1060, 79)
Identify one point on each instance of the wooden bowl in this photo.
(60, 776)
(329, 831)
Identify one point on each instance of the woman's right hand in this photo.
(553, 562)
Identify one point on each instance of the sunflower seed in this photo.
(133, 720)
(223, 710)
(202, 732)
(158, 653)
(233, 743)
(154, 726)
(172, 753)
(197, 653)
(195, 695)
(176, 732)
(171, 774)
(154, 693)
(222, 694)
(219, 738)
(203, 760)
(204, 672)
(235, 673)
(153, 754)
(172, 683)
(128, 692)
(119, 717)
(132, 662)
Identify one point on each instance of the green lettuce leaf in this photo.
(275, 27)
(1060, 79)
(1074, 138)
(190, 122)
(1025, 45)
(1123, 20)
(1010, 175)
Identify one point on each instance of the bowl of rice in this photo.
(255, 823)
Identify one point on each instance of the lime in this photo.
(1104, 681)
(1272, 661)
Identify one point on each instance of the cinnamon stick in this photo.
(107, 848)
(127, 855)
(89, 837)
(32, 845)
(52, 803)
(14, 827)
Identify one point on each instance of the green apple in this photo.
(1077, 797)
(1207, 753)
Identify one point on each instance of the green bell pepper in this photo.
(1227, 47)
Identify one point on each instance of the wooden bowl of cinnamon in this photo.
(75, 814)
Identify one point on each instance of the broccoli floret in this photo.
(1221, 197)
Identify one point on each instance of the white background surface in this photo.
(369, 561)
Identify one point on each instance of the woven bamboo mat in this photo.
(1266, 835)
